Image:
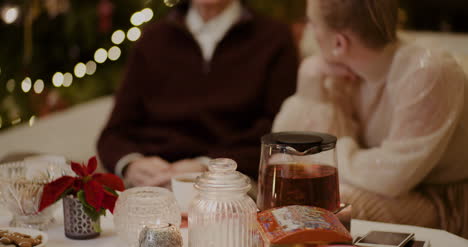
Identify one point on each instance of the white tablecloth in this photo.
(109, 238)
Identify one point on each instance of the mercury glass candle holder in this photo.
(163, 235)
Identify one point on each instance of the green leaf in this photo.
(88, 209)
(65, 193)
(111, 191)
(97, 226)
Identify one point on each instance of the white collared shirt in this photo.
(209, 34)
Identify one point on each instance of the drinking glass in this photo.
(21, 187)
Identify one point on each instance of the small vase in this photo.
(78, 225)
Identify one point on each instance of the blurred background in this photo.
(58, 53)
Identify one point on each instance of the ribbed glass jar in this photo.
(222, 214)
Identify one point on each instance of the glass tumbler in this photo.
(21, 187)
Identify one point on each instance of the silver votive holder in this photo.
(162, 235)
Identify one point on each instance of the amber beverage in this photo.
(298, 184)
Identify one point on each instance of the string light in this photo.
(148, 13)
(80, 70)
(26, 84)
(67, 79)
(100, 55)
(133, 34)
(137, 19)
(10, 86)
(114, 53)
(32, 120)
(57, 79)
(38, 86)
(91, 67)
(118, 37)
(10, 14)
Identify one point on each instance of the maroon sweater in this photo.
(175, 105)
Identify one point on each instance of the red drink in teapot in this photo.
(298, 184)
(298, 168)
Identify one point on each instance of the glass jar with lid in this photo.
(298, 168)
(222, 214)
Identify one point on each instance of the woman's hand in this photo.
(322, 68)
(318, 77)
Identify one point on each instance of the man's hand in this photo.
(187, 166)
(149, 171)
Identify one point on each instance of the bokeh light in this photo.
(171, 3)
(39, 86)
(80, 70)
(133, 34)
(114, 53)
(118, 37)
(148, 13)
(16, 121)
(100, 55)
(137, 19)
(91, 67)
(32, 120)
(10, 14)
(57, 79)
(67, 79)
(10, 85)
(26, 84)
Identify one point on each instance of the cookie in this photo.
(7, 245)
(18, 239)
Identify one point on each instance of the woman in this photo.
(398, 110)
(206, 81)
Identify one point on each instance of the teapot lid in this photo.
(303, 142)
(222, 176)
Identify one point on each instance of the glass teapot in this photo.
(298, 168)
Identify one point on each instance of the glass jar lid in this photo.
(301, 143)
(222, 176)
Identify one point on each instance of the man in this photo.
(205, 82)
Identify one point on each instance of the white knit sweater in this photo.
(408, 130)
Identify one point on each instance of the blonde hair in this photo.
(374, 21)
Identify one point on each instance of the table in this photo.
(108, 238)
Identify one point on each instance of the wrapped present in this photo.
(301, 226)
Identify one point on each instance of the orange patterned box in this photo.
(301, 226)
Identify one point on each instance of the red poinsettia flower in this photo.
(98, 188)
